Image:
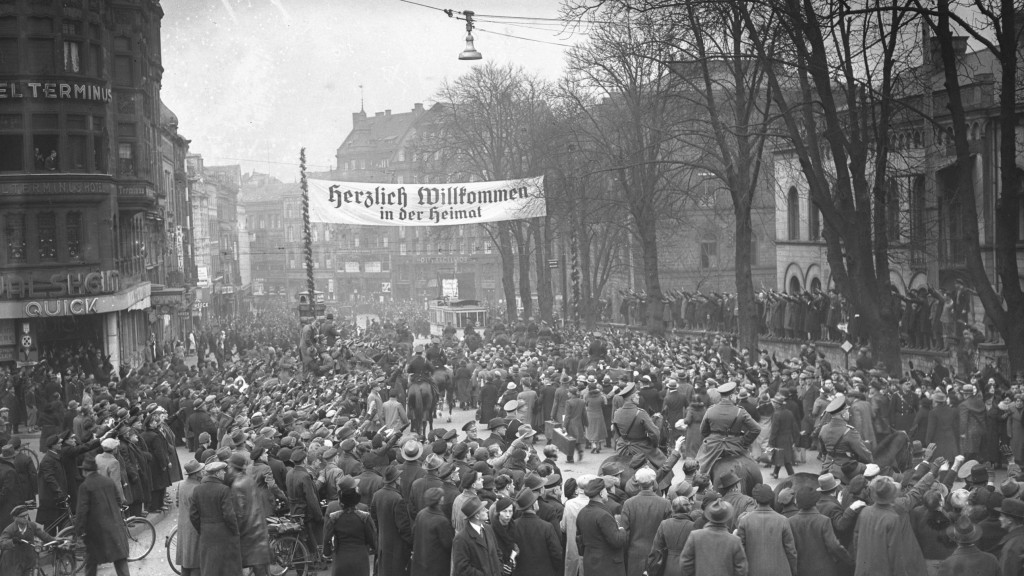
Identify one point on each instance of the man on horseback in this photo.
(727, 429)
(841, 442)
(637, 433)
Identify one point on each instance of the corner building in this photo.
(81, 217)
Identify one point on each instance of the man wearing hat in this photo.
(432, 538)
(475, 549)
(498, 427)
(767, 536)
(188, 538)
(726, 429)
(430, 479)
(968, 558)
(641, 516)
(302, 497)
(634, 428)
(842, 443)
(17, 557)
(394, 525)
(601, 539)
(99, 521)
(1011, 519)
(675, 404)
(200, 421)
(214, 516)
(252, 523)
(843, 517)
(714, 549)
(540, 548)
(819, 551)
(410, 468)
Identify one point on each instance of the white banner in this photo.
(425, 204)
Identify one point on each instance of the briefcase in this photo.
(557, 435)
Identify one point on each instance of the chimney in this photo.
(417, 107)
(387, 113)
(378, 114)
(358, 117)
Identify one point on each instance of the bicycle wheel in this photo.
(78, 555)
(64, 563)
(288, 555)
(141, 537)
(172, 551)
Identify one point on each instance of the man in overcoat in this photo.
(819, 551)
(712, 550)
(641, 516)
(767, 538)
(390, 513)
(1011, 519)
(434, 536)
(214, 516)
(883, 539)
(53, 486)
(303, 498)
(540, 548)
(599, 539)
(187, 551)
(252, 524)
(99, 522)
(475, 549)
(968, 558)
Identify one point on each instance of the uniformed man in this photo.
(842, 443)
(633, 426)
(726, 429)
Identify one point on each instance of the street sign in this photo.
(385, 287)
(847, 346)
(552, 263)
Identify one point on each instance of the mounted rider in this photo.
(841, 442)
(636, 431)
(727, 429)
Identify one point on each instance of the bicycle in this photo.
(288, 553)
(62, 558)
(140, 532)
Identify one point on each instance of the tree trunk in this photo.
(586, 286)
(649, 244)
(541, 239)
(747, 320)
(523, 246)
(508, 271)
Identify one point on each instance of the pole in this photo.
(307, 238)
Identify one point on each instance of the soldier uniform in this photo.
(726, 428)
(635, 429)
(842, 442)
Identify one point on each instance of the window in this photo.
(401, 231)
(328, 261)
(44, 150)
(8, 55)
(76, 153)
(14, 236)
(402, 248)
(384, 239)
(11, 153)
(708, 253)
(355, 240)
(487, 246)
(73, 230)
(40, 56)
(793, 213)
(72, 56)
(125, 159)
(99, 151)
(315, 233)
(46, 227)
(327, 234)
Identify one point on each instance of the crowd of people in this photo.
(320, 422)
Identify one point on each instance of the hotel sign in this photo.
(15, 287)
(54, 91)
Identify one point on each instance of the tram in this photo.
(457, 313)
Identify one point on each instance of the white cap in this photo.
(871, 470)
(110, 444)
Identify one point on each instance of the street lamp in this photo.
(470, 53)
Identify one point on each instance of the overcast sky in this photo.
(252, 81)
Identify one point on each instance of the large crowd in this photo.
(329, 425)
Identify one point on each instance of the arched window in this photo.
(708, 252)
(793, 213)
(794, 285)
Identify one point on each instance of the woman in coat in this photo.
(943, 428)
(671, 536)
(187, 555)
(350, 536)
(159, 464)
(783, 437)
(574, 420)
(694, 416)
(597, 430)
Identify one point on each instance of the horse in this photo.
(445, 385)
(421, 404)
(397, 380)
(744, 467)
(892, 452)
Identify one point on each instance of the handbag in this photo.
(655, 563)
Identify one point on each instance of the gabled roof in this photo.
(383, 132)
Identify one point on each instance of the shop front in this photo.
(116, 323)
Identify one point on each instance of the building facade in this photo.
(83, 201)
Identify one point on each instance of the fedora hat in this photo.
(496, 423)
(433, 462)
(392, 474)
(472, 506)
(411, 450)
(525, 499)
(1013, 508)
(238, 461)
(884, 490)
(827, 483)
(525, 431)
(193, 466)
(347, 482)
(728, 480)
(718, 512)
(1010, 488)
(964, 531)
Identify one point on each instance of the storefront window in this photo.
(14, 232)
(73, 225)
(46, 225)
